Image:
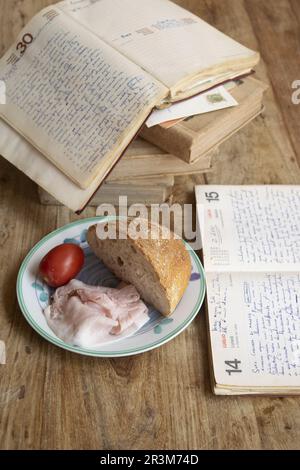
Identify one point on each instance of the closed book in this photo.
(192, 138)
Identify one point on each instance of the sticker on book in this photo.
(2, 353)
(212, 100)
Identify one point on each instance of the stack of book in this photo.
(91, 76)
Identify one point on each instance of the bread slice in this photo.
(159, 268)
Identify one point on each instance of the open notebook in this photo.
(84, 75)
(251, 249)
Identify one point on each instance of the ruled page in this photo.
(76, 99)
(250, 228)
(254, 324)
(251, 250)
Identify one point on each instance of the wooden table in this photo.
(52, 399)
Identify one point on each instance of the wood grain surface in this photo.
(52, 399)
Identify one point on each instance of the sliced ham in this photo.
(89, 316)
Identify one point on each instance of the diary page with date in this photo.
(251, 249)
(160, 36)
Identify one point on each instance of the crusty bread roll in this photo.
(159, 268)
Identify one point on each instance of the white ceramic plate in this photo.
(33, 296)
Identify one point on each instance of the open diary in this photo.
(251, 248)
(84, 75)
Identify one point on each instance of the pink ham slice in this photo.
(89, 316)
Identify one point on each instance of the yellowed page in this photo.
(254, 326)
(75, 98)
(166, 40)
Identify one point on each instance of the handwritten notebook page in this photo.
(251, 246)
(78, 100)
(250, 227)
(166, 40)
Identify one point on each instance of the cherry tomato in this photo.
(61, 264)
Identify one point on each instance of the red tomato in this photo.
(61, 264)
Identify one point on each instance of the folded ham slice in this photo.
(90, 316)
